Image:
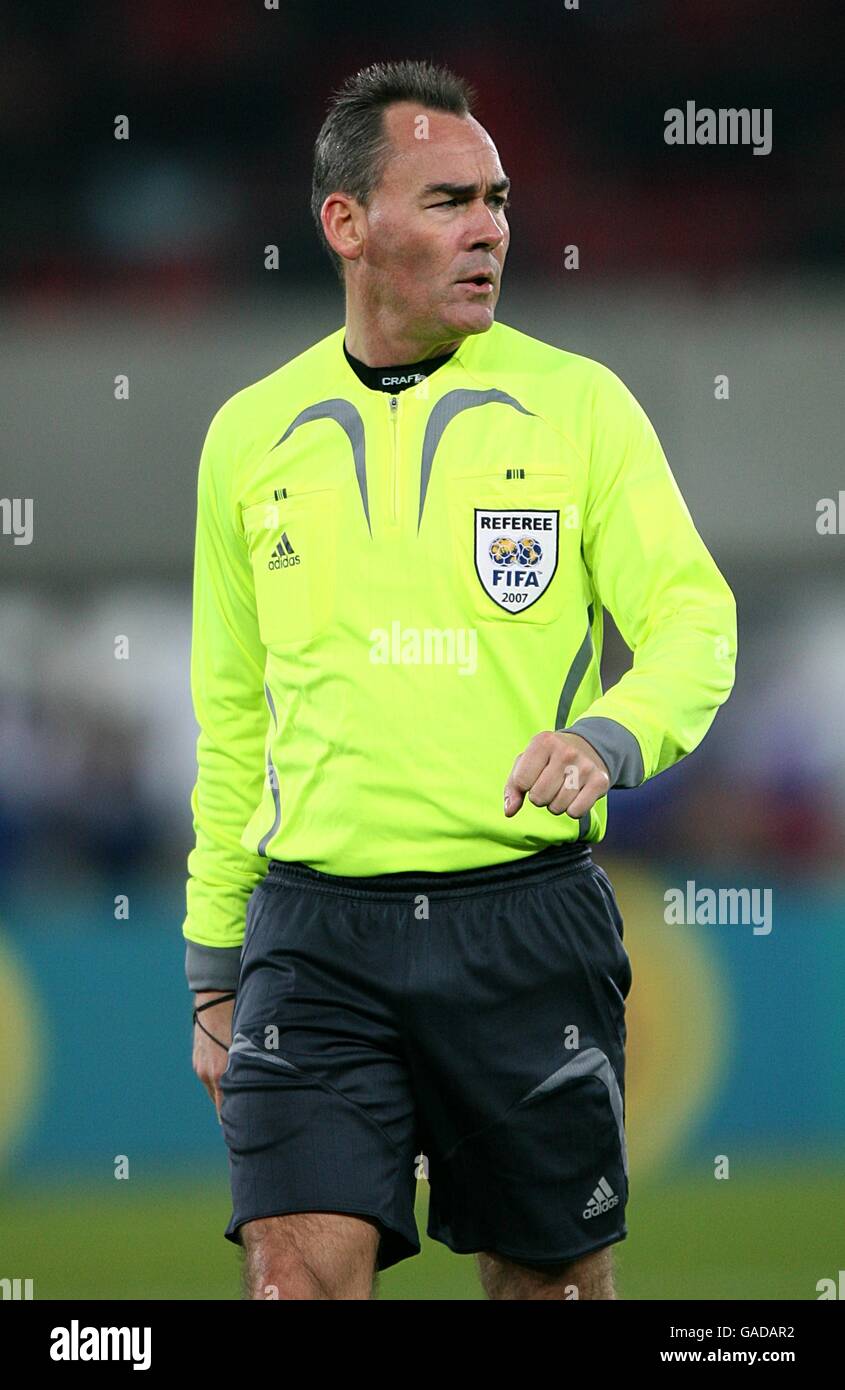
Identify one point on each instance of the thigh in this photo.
(310, 1255)
(318, 1113)
(518, 1062)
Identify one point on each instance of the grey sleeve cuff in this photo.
(615, 744)
(212, 967)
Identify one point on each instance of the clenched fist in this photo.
(559, 770)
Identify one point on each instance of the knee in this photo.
(309, 1256)
(271, 1276)
(274, 1268)
(587, 1276)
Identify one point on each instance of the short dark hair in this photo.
(351, 150)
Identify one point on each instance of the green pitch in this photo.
(770, 1232)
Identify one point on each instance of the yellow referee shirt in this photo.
(393, 593)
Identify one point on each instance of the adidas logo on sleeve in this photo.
(283, 554)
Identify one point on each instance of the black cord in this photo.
(219, 999)
(209, 1003)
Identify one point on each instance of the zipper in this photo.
(394, 421)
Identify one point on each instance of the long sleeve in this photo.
(650, 568)
(227, 686)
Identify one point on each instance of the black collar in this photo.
(395, 378)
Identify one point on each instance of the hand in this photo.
(559, 770)
(209, 1060)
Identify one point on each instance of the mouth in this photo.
(483, 282)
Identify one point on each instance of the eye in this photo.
(498, 198)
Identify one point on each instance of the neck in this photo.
(382, 339)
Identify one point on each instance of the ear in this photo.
(344, 223)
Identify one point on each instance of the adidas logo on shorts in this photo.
(601, 1201)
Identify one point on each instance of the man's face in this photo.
(436, 220)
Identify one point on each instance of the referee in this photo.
(404, 959)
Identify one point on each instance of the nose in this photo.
(485, 231)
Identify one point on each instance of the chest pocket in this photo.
(508, 535)
(292, 546)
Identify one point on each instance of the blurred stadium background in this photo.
(146, 258)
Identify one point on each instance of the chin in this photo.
(472, 318)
